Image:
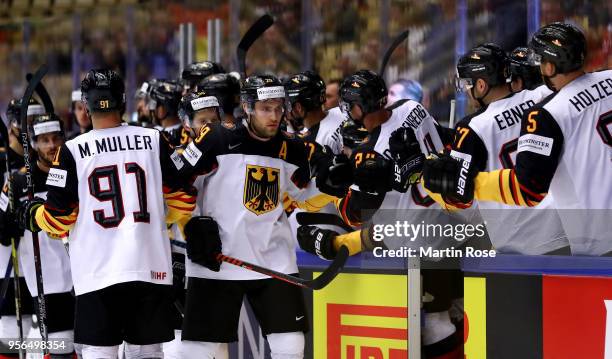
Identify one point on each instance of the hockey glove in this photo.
(374, 175)
(26, 213)
(317, 241)
(9, 229)
(407, 157)
(452, 178)
(335, 176)
(203, 242)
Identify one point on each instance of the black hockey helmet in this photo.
(364, 88)
(488, 62)
(562, 44)
(14, 107)
(44, 123)
(103, 91)
(196, 101)
(306, 88)
(520, 67)
(197, 71)
(225, 87)
(165, 93)
(259, 88)
(353, 134)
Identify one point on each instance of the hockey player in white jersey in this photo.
(564, 148)
(488, 138)
(306, 92)
(107, 189)
(248, 168)
(363, 97)
(319, 129)
(47, 135)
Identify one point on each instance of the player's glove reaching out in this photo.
(203, 242)
(408, 158)
(317, 241)
(27, 212)
(451, 177)
(334, 174)
(373, 174)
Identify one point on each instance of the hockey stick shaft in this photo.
(396, 42)
(9, 265)
(318, 283)
(252, 34)
(14, 261)
(41, 90)
(42, 307)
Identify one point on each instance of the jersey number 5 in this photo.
(110, 190)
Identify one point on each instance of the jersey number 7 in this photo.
(112, 192)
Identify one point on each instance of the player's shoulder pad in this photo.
(212, 133)
(465, 121)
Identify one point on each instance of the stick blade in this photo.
(253, 33)
(332, 271)
(396, 42)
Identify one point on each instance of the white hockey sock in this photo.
(204, 350)
(98, 352)
(286, 345)
(437, 327)
(149, 351)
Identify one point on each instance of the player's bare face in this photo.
(266, 117)
(82, 117)
(47, 146)
(331, 96)
(203, 117)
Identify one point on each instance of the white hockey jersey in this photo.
(488, 139)
(115, 178)
(243, 182)
(54, 259)
(581, 183)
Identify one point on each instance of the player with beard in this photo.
(247, 169)
(47, 136)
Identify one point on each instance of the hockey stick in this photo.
(41, 91)
(14, 262)
(42, 306)
(314, 218)
(253, 33)
(315, 284)
(396, 42)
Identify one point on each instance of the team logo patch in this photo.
(536, 144)
(57, 177)
(261, 189)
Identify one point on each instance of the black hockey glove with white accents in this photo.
(203, 242)
(317, 241)
(373, 174)
(407, 157)
(26, 213)
(335, 176)
(452, 177)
